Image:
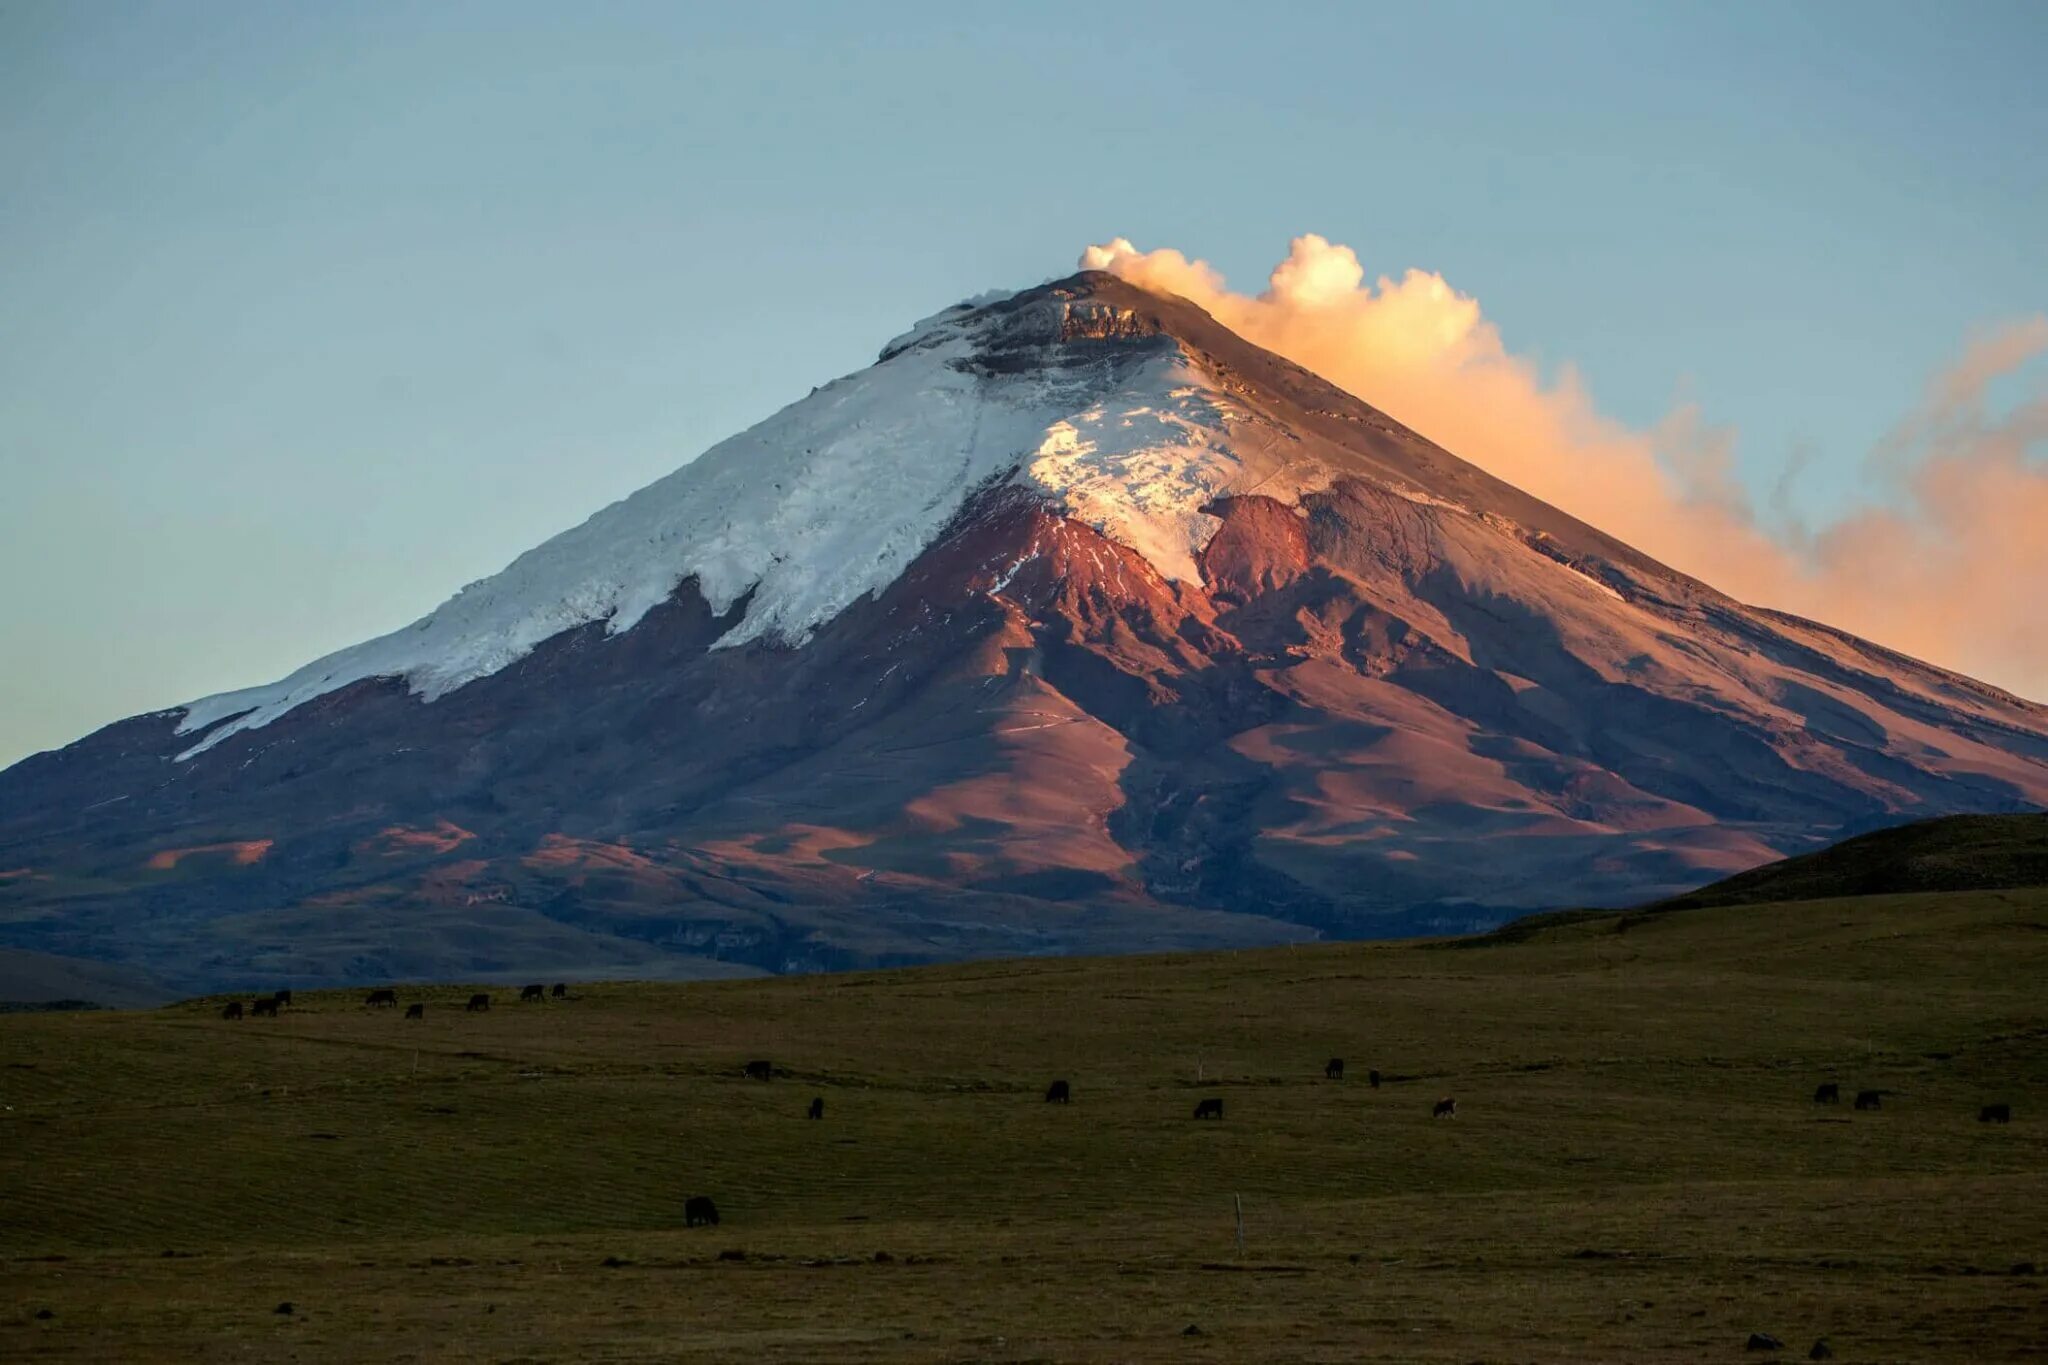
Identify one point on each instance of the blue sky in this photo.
(311, 314)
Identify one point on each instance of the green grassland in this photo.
(1636, 1170)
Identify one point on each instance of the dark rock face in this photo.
(1417, 700)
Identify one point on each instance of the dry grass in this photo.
(1636, 1170)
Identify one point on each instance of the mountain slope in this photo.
(1075, 623)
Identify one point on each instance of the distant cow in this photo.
(480, 1001)
(817, 1109)
(1995, 1113)
(1333, 1070)
(1209, 1109)
(283, 998)
(534, 992)
(231, 1010)
(1830, 1093)
(1373, 1079)
(416, 1011)
(561, 990)
(760, 1071)
(1058, 1093)
(699, 1211)
(1870, 1099)
(267, 1005)
(1445, 1109)
(376, 998)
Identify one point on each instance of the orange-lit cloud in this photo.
(1949, 565)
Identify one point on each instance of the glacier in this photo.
(830, 499)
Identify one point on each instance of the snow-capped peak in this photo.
(830, 499)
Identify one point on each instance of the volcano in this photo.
(1075, 623)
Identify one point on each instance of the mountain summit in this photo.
(1074, 623)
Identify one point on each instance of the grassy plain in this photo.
(1636, 1170)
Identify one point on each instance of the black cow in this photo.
(376, 998)
(760, 1071)
(1995, 1113)
(1870, 1099)
(534, 992)
(1373, 1079)
(267, 1005)
(561, 991)
(1058, 1093)
(817, 1109)
(283, 998)
(1830, 1093)
(699, 1211)
(415, 1011)
(231, 1010)
(1446, 1108)
(479, 1001)
(1333, 1070)
(1209, 1109)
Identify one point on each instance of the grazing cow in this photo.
(1209, 1109)
(416, 1011)
(817, 1110)
(1870, 1099)
(1058, 1093)
(283, 998)
(1373, 1079)
(479, 1001)
(699, 1211)
(760, 1071)
(534, 992)
(1995, 1113)
(561, 991)
(1446, 1108)
(267, 1005)
(1333, 1070)
(376, 998)
(1830, 1093)
(231, 1010)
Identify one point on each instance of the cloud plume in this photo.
(1947, 559)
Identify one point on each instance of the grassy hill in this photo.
(1956, 853)
(1636, 1169)
(38, 980)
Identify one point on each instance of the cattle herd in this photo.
(262, 1007)
(700, 1211)
(1830, 1092)
(267, 1006)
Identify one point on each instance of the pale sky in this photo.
(310, 315)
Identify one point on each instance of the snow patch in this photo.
(925, 329)
(1422, 499)
(1140, 467)
(1588, 579)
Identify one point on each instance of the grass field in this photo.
(1636, 1170)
